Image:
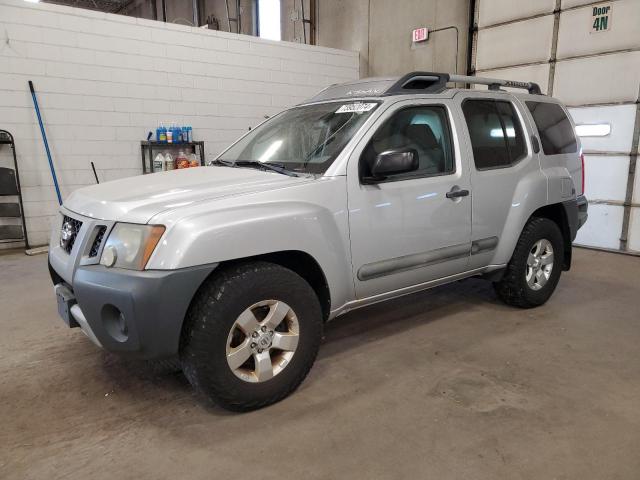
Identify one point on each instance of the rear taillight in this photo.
(582, 162)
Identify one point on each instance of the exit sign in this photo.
(420, 34)
(600, 18)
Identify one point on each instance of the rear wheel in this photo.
(251, 336)
(534, 269)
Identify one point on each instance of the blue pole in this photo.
(46, 144)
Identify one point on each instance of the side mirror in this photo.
(393, 162)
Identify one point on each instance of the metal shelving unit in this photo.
(148, 148)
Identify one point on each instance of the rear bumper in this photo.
(576, 214)
(130, 312)
(583, 207)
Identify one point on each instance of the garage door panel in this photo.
(636, 185)
(515, 43)
(491, 12)
(602, 228)
(530, 73)
(576, 38)
(634, 230)
(598, 79)
(620, 118)
(573, 3)
(606, 177)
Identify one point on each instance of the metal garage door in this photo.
(588, 55)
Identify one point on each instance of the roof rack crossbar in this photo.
(431, 82)
(496, 83)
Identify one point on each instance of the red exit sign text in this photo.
(420, 34)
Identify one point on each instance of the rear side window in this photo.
(496, 134)
(556, 132)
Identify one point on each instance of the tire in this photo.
(520, 286)
(214, 332)
(165, 366)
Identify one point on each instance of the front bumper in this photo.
(138, 313)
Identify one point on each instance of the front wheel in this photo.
(534, 269)
(251, 335)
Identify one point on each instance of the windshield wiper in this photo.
(224, 163)
(274, 167)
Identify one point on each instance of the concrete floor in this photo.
(444, 384)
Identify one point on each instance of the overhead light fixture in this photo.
(593, 130)
(32, 1)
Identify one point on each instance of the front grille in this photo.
(95, 247)
(70, 229)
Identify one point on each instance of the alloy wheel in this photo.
(262, 341)
(539, 264)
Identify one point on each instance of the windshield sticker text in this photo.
(355, 107)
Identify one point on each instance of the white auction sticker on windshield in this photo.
(355, 107)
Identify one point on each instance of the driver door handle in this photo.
(457, 193)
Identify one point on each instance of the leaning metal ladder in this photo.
(6, 138)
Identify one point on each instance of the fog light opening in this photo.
(115, 323)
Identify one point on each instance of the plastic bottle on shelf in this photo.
(193, 160)
(169, 164)
(161, 134)
(170, 138)
(189, 133)
(181, 160)
(185, 134)
(158, 163)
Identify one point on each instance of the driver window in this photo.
(424, 129)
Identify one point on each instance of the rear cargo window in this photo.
(556, 132)
(496, 135)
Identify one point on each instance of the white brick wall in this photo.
(104, 81)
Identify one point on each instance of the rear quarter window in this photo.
(496, 135)
(556, 133)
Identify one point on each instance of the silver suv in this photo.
(368, 191)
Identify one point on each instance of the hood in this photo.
(138, 199)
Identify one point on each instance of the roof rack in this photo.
(431, 82)
(412, 83)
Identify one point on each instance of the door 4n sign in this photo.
(601, 18)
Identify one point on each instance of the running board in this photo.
(364, 302)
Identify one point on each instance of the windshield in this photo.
(303, 139)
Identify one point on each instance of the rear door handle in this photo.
(455, 192)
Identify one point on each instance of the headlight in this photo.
(130, 245)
